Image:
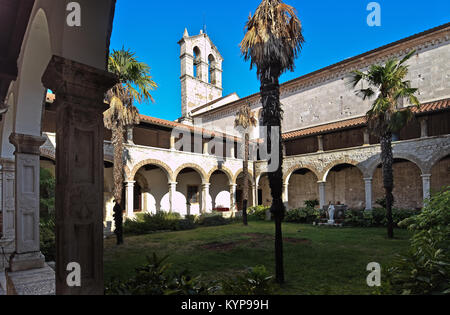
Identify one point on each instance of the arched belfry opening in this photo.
(201, 72)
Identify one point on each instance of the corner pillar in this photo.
(7, 203)
(27, 163)
(80, 91)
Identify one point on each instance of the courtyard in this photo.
(317, 260)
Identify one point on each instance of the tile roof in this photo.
(361, 121)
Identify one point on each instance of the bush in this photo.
(302, 215)
(312, 203)
(426, 268)
(160, 221)
(47, 227)
(257, 212)
(255, 281)
(212, 219)
(46, 192)
(376, 217)
(154, 279)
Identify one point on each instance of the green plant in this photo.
(160, 221)
(258, 212)
(47, 227)
(154, 278)
(302, 215)
(426, 268)
(47, 184)
(212, 220)
(255, 281)
(311, 203)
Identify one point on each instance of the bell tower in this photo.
(201, 71)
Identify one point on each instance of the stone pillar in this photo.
(286, 194)
(7, 204)
(233, 197)
(205, 148)
(322, 199)
(232, 152)
(80, 91)
(320, 143)
(426, 183)
(172, 143)
(424, 127)
(130, 135)
(205, 194)
(368, 190)
(129, 199)
(255, 195)
(172, 192)
(27, 255)
(366, 137)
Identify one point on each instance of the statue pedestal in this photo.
(331, 222)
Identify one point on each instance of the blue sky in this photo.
(334, 30)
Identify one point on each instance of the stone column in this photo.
(320, 143)
(232, 152)
(366, 137)
(27, 255)
(205, 148)
(322, 199)
(233, 197)
(255, 195)
(129, 199)
(172, 192)
(205, 194)
(424, 127)
(80, 91)
(426, 183)
(368, 191)
(286, 194)
(8, 187)
(130, 135)
(172, 143)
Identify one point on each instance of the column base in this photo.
(31, 282)
(21, 262)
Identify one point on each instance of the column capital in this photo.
(206, 185)
(8, 165)
(425, 175)
(73, 80)
(130, 182)
(26, 143)
(173, 183)
(321, 183)
(368, 179)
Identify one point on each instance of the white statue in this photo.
(331, 211)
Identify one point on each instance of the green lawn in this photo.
(317, 260)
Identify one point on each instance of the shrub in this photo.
(154, 279)
(302, 215)
(426, 268)
(255, 281)
(257, 212)
(47, 227)
(376, 217)
(160, 221)
(312, 203)
(46, 192)
(212, 219)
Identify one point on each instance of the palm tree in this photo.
(272, 42)
(135, 84)
(245, 119)
(386, 117)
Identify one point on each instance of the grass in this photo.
(317, 260)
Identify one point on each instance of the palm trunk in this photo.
(117, 141)
(245, 171)
(388, 178)
(272, 116)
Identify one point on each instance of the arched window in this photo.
(197, 63)
(211, 68)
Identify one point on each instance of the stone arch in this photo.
(162, 165)
(196, 52)
(370, 169)
(37, 53)
(195, 167)
(239, 172)
(435, 159)
(287, 175)
(141, 180)
(223, 169)
(329, 167)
